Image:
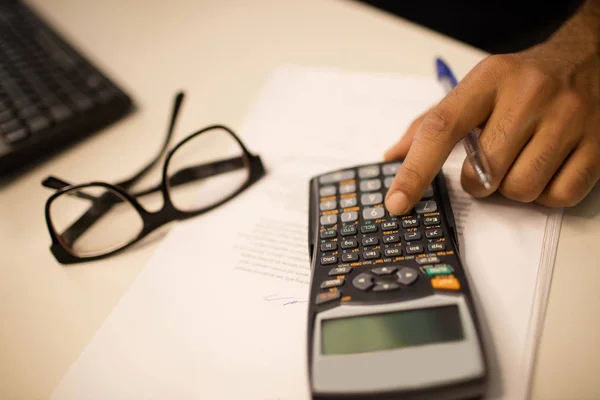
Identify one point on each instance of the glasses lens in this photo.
(206, 169)
(94, 220)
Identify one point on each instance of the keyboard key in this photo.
(328, 234)
(428, 193)
(348, 231)
(424, 207)
(350, 257)
(323, 298)
(370, 185)
(407, 276)
(363, 281)
(433, 247)
(391, 169)
(386, 287)
(327, 205)
(393, 252)
(337, 177)
(388, 239)
(339, 271)
(16, 136)
(329, 246)
(370, 241)
(371, 255)
(81, 101)
(38, 123)
(370, 171)
(410, 223)
(387, 182)
(445, 282)
(427, 260)
(332, 283)
(414, 249)
(373, 213)
(349, 244)
(433, 233)
(428, 221)
(389, 226)
(408, 236)
(349, 216)
(369, 228)
(327, 191)
(326, 260)
(60, 112)
(348, 202)
(381, 271)
(330, 219)
(347, 188)
(369, 199)
(440, 269)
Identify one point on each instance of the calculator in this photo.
(391, 315)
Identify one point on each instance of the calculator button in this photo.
(329, 219)
(347, 188)
(440, 269)
(428, 193)
(436, 246)
(327, 205)
(393, 252)
(350, 257)
(428, 221)
(445, 282)
(384, 270)
(370, 241)
(337, 177)
(407, 276)
(349, 244)
(327, 191)
(414, 249)
(408, 236)
(386, 287)
(332, 283)
(369, 199)
(349, 216)
(387, 182)
(370, 185)
(368, 172)
(410, 223)
(348, 231)
(348, 202)
(363, 281)
(371, 255)
(327, 297)
(328, 260)
(427, 260)
(389, 226)
(433, 233)
(424, 207)
(387, 239)
(373, 213)
(391, 169)
(329, 246)
(369, 228)
(339, 271)
(328, 234)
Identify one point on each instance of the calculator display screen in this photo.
(391, 330)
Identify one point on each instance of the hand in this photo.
(540, 112)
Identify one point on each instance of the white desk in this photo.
(221, 52)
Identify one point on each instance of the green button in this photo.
(440, 269)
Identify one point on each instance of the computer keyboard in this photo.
(50, 95)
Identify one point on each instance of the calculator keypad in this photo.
(365, 248)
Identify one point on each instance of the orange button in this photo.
(447, 282)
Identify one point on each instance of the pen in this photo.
(475, 154)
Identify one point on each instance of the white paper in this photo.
(220, 311)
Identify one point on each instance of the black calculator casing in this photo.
(422, 287)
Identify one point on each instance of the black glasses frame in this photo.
(151, 220)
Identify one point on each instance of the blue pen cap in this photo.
(444, 72)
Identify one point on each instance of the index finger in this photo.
(464, 108)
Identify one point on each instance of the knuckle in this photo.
(585, 177)
(498, 62)
(519, 189)
(572, 105)
(438, 125)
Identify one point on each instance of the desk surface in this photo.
(221, 52)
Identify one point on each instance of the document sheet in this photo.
(220, 310)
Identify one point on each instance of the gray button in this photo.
(387, 182)
(347, 188)
(329, 296)
(431, 221)
(371, 255)
(368, 172)
(369, 199)
(407, 276)
(370, 186)
(391, 169)
(386, 286)
(408, 236)
(329, 219)
(391, 239)
(389, 226)
(332, 283)
(349, 257)
(433, 233)
(373, 213)
(410, 223)
(428, 193)
(436, 246)
(394, 251)
(363, 281)
(328, 260)
(337, 176)
(427, 260)
(348, 202)
(329, 246)
(384, 270)
(349, 243)
(328, 234)
(348, 230)
(349, 216)
(339, 271)
(326, 191)
(370, 241)
(414, 249)
(424, 207)
(327, 205)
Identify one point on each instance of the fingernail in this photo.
(397, 203)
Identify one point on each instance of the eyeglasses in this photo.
(97, 219)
